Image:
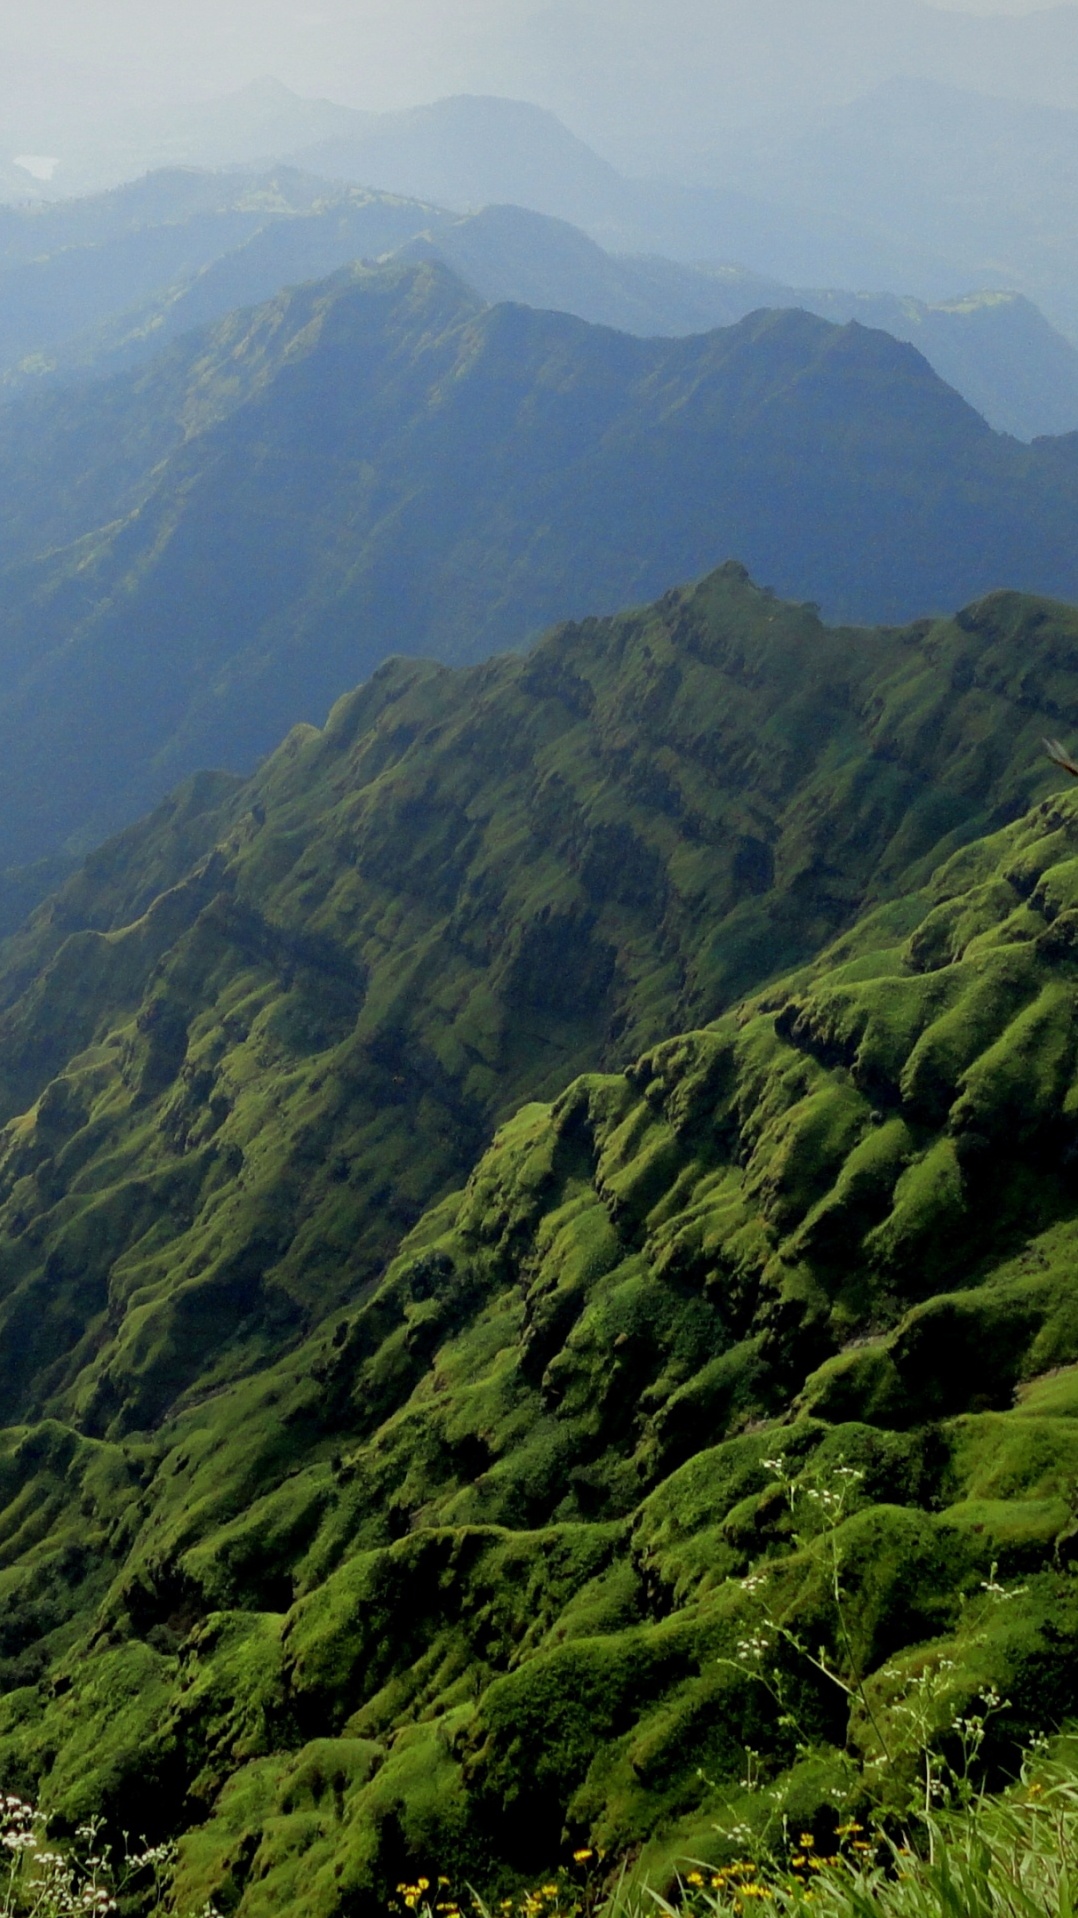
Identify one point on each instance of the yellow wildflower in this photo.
(423, 1884)
(581, 1857)
(694, 1878)
(806, 1840)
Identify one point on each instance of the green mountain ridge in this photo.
(354, 1570)
(380, 464)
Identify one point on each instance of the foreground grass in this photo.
(1013, 1856)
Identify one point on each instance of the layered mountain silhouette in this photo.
(200, 552)
(798, 200)
(107, 283)
(982, 182)
(443, 1560)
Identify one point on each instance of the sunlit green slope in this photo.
(354, 1570)
(257, 1034)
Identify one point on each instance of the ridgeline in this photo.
(378, 1494)
(199, 552)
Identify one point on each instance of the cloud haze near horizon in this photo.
(601, 64)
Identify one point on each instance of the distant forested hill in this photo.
(202, 551)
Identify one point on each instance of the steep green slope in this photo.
(335, 977)
(473, 1571)
(380, 464)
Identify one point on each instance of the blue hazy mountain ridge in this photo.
(104, 283)
(995, 348)
(653, 98)
(470, 150)
(647, 82)
(242, 127)
(112, 288)
(383, 464)
(989, 185)
(916, 187)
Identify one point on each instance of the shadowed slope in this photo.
(380, 464)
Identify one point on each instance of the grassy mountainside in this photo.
(469, 888)
(441, 477)
(368, 1571)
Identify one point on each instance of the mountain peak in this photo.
(269, 92)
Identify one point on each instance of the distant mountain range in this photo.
(463, 152)
(103, 283)
(918, 188)
(198, 552)
(987, 184)
(650, 84)
(646, 82)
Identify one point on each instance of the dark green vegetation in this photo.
(357, 1568)
(379, 463)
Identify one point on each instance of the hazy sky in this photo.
(76, 58)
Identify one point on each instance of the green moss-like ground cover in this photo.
(355, 1569)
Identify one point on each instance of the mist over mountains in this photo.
(90, 286)
(649, 85)
(538, 950)
(443, 477)
(652, 94)
(916, 188)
